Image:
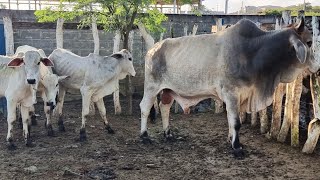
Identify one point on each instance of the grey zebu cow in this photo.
(18, 76)
(241, 66)
(48, 87)
(95, 76)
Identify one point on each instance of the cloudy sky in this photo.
(235, 5)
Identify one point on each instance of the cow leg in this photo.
(145, 106)
(165, 112)
(48, 112)
(59, 107)
(33, 116)
(19, 117)
(102, 111)
(86, 99)
(26, 125)
(11, 117)
(234, 125)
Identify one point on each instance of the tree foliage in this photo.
(112, 15)
(309, 10)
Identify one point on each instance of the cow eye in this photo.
(130, 59)
(57, 85)
(309, 43)
(39, 63)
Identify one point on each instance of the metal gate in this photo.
(3, 102)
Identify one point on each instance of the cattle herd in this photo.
(241, 66)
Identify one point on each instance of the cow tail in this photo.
(153, 114)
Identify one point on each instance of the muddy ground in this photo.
(201, 152)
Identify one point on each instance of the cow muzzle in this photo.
(52, 106)
(31, 81)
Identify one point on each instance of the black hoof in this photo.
(109, 129)
(83, 135)
(34, 120)
(61, 126)
(169, 136)
(29, 143)
(50, 130)
(11, 146)
(145, 138)
(238, 153)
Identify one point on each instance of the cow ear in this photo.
(61, 78)
(16, 62)
(299, 26)
(300, 48)
(47, 62)
(117, 55)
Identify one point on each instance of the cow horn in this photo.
(299, 26)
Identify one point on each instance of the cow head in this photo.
(125, 59)
(51, 85)
(31, 60)
(301, 41)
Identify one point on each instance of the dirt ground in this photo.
(201, 151)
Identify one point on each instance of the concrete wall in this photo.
(42, 35)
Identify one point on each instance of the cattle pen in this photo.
(200, 151)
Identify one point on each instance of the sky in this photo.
(235, 5)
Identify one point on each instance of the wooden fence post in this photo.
(8, 34)
(59, 33)
(116, 98)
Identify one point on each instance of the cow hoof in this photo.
(34, 120)
(50, 130)
(238, 153)
(83, 135)
(109, 129)
(145, 138)
(169, 136)
(11, 146)
(61, 126)
(29, 143)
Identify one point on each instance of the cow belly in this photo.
(184, 101)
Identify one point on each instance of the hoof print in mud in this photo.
(238, 153)
(11, 146)
(83, 135)
(30, 144)
(109, 129)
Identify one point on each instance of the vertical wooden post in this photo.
(276, 110)
(218, 104)
(287, 114)
(254, 119)
(116, 98)
(8, 34)
(264, 121)
(59, 33)
(314, 125)
(129, 80)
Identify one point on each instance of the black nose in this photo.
(31, 81)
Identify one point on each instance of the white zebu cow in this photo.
(48, 87)
(95, 76)
(16, 75)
